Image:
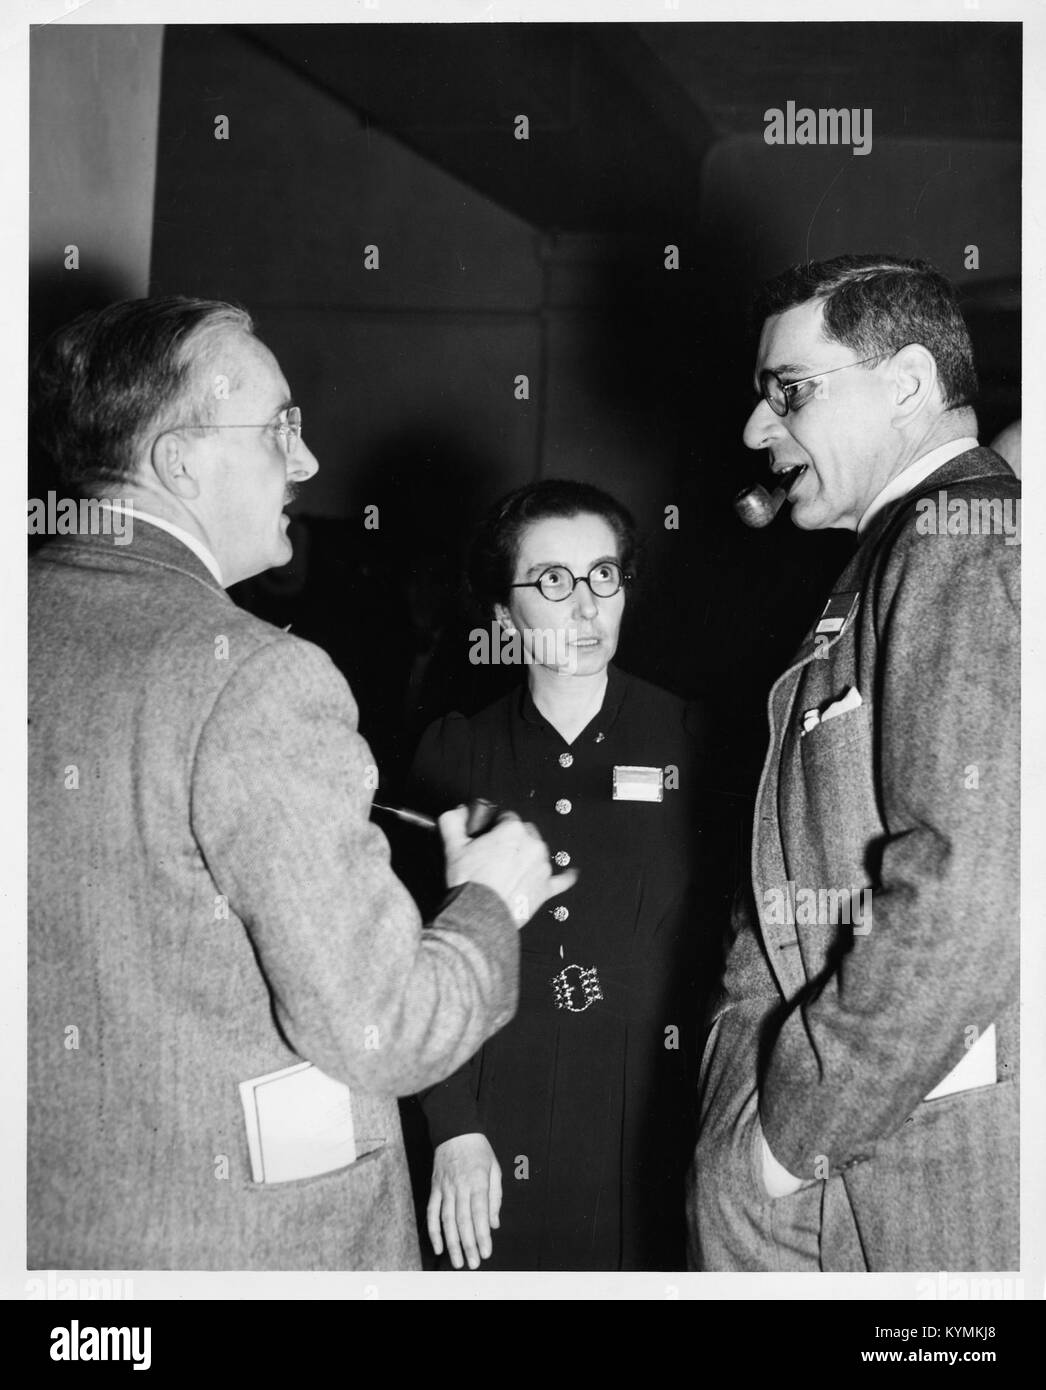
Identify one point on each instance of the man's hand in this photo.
(512, 858)
(465, 1198)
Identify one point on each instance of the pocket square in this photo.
(845, 703)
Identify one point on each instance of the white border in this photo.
(14, 249)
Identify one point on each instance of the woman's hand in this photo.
(465, 1199)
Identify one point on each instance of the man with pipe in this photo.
(859, 1079)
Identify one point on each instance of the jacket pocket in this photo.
(836, 770)
(320, 1180)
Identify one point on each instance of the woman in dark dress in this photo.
(563, 1144)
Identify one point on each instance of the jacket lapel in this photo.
(835, 622)
(768, 862)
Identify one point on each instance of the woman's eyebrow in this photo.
(545, 565)
(562, 565)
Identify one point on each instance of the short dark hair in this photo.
(103, 382)
(880, 304)
(492, 560)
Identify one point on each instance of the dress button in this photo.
(561, 913)
(562, 858)
(566, 759)
(563, 806)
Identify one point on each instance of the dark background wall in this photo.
(544, 257)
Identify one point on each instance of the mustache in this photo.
(290, 492)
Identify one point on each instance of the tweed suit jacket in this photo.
(835, 1024)
(208, 902)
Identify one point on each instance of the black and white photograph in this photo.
(523, 658)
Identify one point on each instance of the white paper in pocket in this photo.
(299, 1124)
(976, 1068)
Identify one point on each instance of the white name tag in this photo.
(299, 1124)
(639, 783)
(836, 611)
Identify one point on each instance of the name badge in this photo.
(836, 611)
(639, 783)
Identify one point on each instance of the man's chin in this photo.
(802, 518)
(809, 512)
(809, 519)
(280, 554)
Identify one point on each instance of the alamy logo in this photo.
(826, 125)
(51, 1287)
(526, 647)
(76, 1343)
(974, 516)
(819, 907)
(82, 516)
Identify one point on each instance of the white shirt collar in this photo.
(197, 547)
(913, 475)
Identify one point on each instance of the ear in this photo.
(172, 462)
(504, 617)
(914, 374)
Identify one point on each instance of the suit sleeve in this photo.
(863, 1047)
(281, 793)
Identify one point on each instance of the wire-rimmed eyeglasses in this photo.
(779, 395)
(287, 427)
(557, 583)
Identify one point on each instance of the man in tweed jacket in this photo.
(859, 1083)
(208, 902)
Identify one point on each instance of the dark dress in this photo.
(587, 1095)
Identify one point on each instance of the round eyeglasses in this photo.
(782, 396)
(557, 583)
